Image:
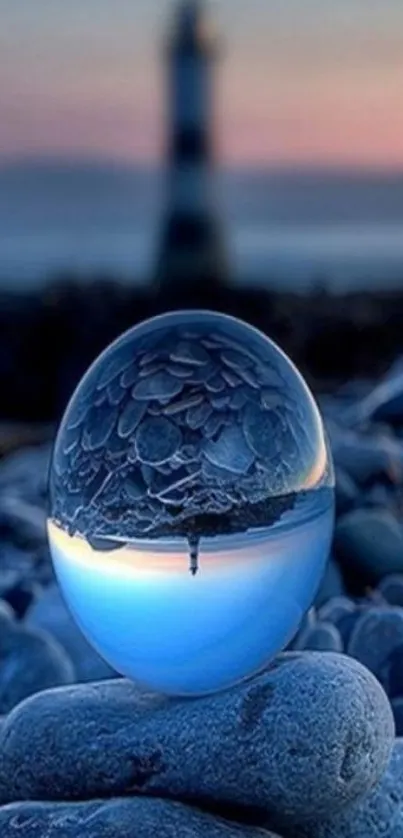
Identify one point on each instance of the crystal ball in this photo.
(191, 502)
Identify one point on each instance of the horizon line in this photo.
(274, 166)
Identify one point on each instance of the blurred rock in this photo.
(332, 584)
(368, 459)
(324, 637)
(252, 746)
(384, 402)
(308, 621)
(391, 588)
(346, 492)
(336, 608)
(371, 542)
(51, 614)
(397, 708)
(380, 815)
(118, 818)
(21, 595)
(29, 662)
(376, 636)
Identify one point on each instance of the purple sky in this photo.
(306, 81)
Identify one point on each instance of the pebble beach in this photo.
(310, 748)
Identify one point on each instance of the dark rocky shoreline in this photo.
(53, 335)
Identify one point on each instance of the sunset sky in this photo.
(304, 81)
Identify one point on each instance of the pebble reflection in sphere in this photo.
(191, 502)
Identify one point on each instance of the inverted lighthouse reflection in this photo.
(184, 634)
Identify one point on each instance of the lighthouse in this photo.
(191, 249)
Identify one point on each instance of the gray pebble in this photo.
(131, 417)
(376, 636)
(371, 541)
(336, 608)
(134, 817)
(391, 588)
(190, 353)
(50, 614)
(230, 451)
(30, 661)
(157, 440)
(251, 746)
(324, 637)
(159, 386)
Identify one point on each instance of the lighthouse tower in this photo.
(191, 252)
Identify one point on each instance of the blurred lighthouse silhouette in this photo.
(191, 250)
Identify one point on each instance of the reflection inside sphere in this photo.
(191, 502)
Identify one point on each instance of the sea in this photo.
(290, 229)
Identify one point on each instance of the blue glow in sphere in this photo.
(191, 502)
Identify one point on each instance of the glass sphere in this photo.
(191, 502)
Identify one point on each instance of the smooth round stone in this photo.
(251, 747)
(118, 818)
(391, 588)
(368, 459)
(377, 635)
(191, 518)
(324, 637)
(335, 609)
(157, 441)
(50, 614)
(371, 541)
(379, 815)
(30, 661)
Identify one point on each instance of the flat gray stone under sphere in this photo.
(30, 661)
(380, 815)
(118, 818)
(311, 735)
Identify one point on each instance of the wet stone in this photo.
(235, 360)
(129, 376)
(190, 353)
(271, 399)
(216, 384)
(114, 366)
(183, 405)
(131, 417)
(159, 386)
(179, 370)
(157, 440)
(230, 377)
(198, 415)
(377, 635)
(230, 451)
(213, 425)
(259, 431)
(116, 393)
(134, 486)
